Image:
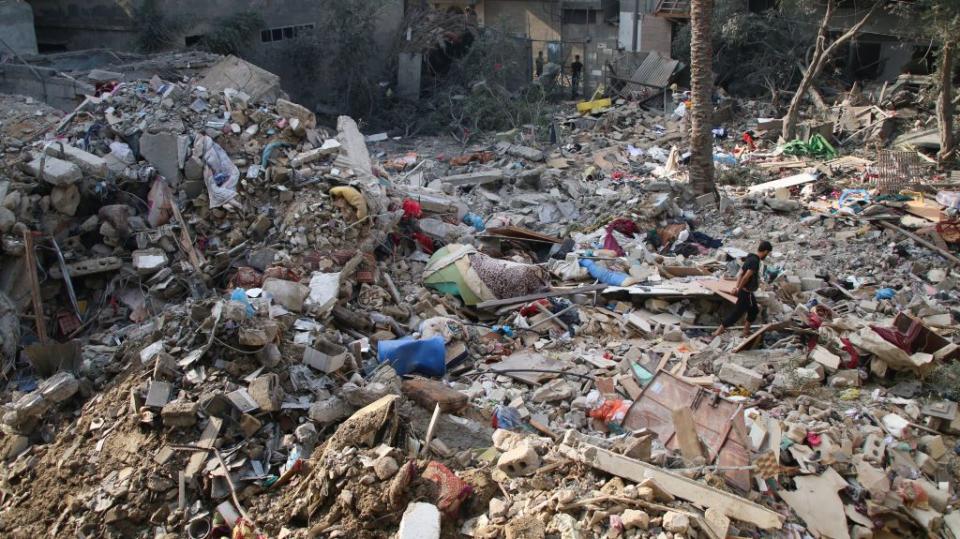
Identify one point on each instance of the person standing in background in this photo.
(576, 70)
(539, 64)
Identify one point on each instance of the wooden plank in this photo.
(207, 439)
(731, 505)
(31, 259)
(532, 297)
(749, 341)
(686, 433)
(921, 241)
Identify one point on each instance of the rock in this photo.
(162, 151)
(14, 446)
(554, 390)
(520, 461)
(149, 261)
(845, 378)
(65, 199)
(740, 376)
(385, 467)
(55, 171)
(329, 410)
(676, 522)
(420, 521)
(179, 413)
(525, 527)
(7, 220)
(635, 519)
(497, 508)
(289, 294)
(266, 391)
(89, 163)
(59, 387)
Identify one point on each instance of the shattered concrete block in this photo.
(329, 410)
(59, 387)
(289, 294)
(89, 163)
(29, 407)
(329, 147)
(385, 467)
(676, 522)
(180, 413)
(289, 109)
(234, 311)
(65, 199)
(149, 261)
(162, 151)
(809, 284)
(420, 521)
(554, 390)
(266, 391)
(635, 519)
(7, 220)
(55, 171)
(14, 446)
(740, 376)
(520, 461)
(933, 445)
(845, 378)
(264, 332)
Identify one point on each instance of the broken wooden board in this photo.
(719, 424)
(527, 359)
(686, 431)
(789, 181)
(207, 439)
(752, 339)
(722, 288)
(700, 494)
(816, 502)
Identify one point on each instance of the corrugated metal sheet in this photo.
(655, 71)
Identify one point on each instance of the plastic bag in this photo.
(219, 173)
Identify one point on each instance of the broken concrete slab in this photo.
(55, 171)
(90, 164)
(232, 72)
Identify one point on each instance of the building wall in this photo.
(16, 27)
(84, 24)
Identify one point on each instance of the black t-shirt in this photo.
(577, 67)
(752, 262)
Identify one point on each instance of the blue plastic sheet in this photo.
(408, 355)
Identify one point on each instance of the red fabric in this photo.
(531, 309)
(610, 243)
(749, 140)
(453, 490)
(852, 350)
(412, 209)
(624, 226)
(425, 242)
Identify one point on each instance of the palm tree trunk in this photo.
(701, 88)
(945, 102)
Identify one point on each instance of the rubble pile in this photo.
(243, 324)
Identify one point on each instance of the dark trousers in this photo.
(746, 304)
(575, 85)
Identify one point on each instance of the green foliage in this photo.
(157, 31)
(757, 53)
(233, 33)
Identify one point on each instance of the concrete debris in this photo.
(223, 313)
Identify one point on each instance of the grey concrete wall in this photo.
(16, 27)
(43, 84)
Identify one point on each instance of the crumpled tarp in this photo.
(219, 173)
(463, 271)
(817, 146)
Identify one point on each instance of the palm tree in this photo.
(701, 86)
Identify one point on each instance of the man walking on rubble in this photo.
(747, 283)
(576, 70)
(539, 64)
